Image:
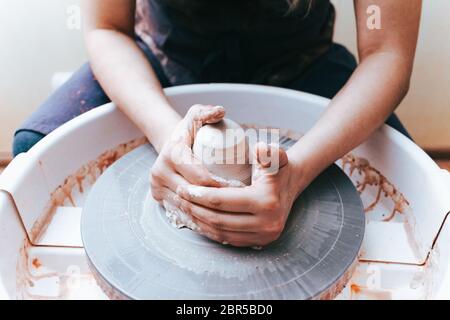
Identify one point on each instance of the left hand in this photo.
(247, 216)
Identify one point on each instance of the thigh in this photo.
(330, 73)
(81, 93)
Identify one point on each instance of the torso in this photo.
(250, 41)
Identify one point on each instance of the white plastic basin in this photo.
(41, 254)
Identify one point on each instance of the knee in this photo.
(24, 140)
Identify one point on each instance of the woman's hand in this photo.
(248, 216)
(176, 165)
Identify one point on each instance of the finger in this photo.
(175, 215)
(199, 115)
(194, 171)
(270, 156)
(219, 219)
(237, 239)
(176, 180)
(224, 199)
(200, 176)
(165, 176)
(157, 193)
(205, 113)
(161, 194)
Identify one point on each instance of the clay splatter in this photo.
(373, 177)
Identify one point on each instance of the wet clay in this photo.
(223, 149)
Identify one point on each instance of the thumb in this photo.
(195, 118)
(270, 157)
(199, 115)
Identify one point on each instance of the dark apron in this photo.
(247, 41)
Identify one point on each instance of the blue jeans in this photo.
(82, 92)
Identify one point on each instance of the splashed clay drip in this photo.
(88, 173)
(373, 177)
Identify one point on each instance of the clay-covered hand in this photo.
(251, 216)
(176, 165)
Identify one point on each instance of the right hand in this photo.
(176, 165)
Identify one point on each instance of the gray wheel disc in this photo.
(137, 254)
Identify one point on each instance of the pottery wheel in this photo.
(135, 253)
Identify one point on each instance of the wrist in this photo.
(158, 138)
(305, 168)
(300, 176)
(158, 130)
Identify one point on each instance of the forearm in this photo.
(371, 95)
(129, 80)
